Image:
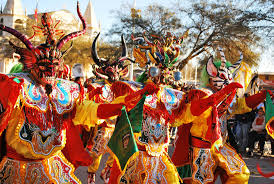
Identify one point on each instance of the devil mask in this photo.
(110, 70)
(45, 60)
(221, 76)
(159, 55)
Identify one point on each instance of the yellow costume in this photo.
(208, 154)
(36, 133)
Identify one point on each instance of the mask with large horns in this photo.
(110, 70)
(44, 60)
(222, 75)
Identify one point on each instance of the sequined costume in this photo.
(107, 74)
(39, 113)
(210, 153)
(161, 110)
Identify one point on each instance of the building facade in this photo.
(14, 16)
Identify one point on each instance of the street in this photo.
(266, 163)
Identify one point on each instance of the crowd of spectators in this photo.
(248, 129)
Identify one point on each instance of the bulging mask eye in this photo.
(154, 71)
(222, 76)
(55, 62)
(42, 68)
(177, 76)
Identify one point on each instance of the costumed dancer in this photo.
(162, 109)
(108, 73)
(38, 112)
(210, 153)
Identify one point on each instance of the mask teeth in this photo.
(47, 54)
(42, 54)
(37, 55)
(57, 54)
(53, 53)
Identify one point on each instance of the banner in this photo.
(122, 143)
(269, 115)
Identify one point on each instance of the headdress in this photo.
(220, 71)
(106, 69)
(51, 49)
(158, 54)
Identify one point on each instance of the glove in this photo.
(201, 105)
(254, 100)
(106, 111)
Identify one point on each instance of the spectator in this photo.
(242, 128)
(257, 133)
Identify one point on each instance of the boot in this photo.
(91, 178)
(105, 174)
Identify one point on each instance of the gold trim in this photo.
(17, 140)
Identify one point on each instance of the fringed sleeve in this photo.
(185, 116)
(121, 89)
(86, 114)
(10, 90)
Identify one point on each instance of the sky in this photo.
(103, 12)
(103, 8)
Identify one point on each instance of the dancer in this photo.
(211, 154)
(108, 74)
(166, 107)
(37, 110)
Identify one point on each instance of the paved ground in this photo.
(266, 163)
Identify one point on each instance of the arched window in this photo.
(18, 21)
(18, 24)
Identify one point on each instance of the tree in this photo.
(210, 24)
(154, 19)
(225, 24)
(81, 51)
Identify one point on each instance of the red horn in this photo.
(70, 36)
(18, 35)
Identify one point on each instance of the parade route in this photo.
(169, 92)
(266, 163)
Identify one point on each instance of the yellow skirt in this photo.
(146, 169)
(205, 161)
(54, 170)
